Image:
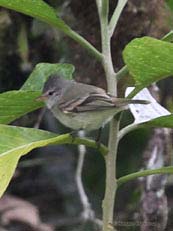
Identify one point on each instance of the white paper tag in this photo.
(143, 113)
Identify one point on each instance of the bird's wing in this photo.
(84, 99)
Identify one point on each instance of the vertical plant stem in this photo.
(111, 185)
(106, 49)
(111, 77)
(110, 160)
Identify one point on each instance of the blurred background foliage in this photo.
(46, 177)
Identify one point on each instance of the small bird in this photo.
(81, 106)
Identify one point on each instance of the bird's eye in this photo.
(51, 92)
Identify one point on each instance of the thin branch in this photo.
(83, 197)
(106, 49)
(90, 143)
(132, 176)
(99, 6)
(51, 20)
(168, 37)
(122, 72)
(87, 213)
(128, 129)
(40, 117)
(84, 43)
(69, 139)
(116, 15)
(105, 9)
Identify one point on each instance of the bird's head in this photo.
(52, 90)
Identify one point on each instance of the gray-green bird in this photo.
(81, 106)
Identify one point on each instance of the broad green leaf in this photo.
(37, 9)
(14, 104)
(42, 11)
(42, 71)
(15, 142)
(163, 121)
(148, 60)
(18, 141)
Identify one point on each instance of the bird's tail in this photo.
(119, 102)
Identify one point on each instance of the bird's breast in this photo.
(90, 120)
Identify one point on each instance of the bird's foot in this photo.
(98, 138)
(74, 134)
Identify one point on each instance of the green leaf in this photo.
(15, 142)
(14, 104)
(163, 121)
(148, 172)
(42, 71)
(42, 11)
(170, 4)
(18, 141)
(37, 9)
(148, 60)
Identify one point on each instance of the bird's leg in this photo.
(98, 137)
(74, 134)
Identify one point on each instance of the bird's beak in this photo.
(42, 97)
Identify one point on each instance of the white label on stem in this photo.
(143, 113)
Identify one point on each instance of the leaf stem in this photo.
(84, 43)
(48, 15)
(168, 37)
(106, 49)
(99, 6)
(122, 72)
(68, 139)
(132, 176)
(117, 12)
(128, 129)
